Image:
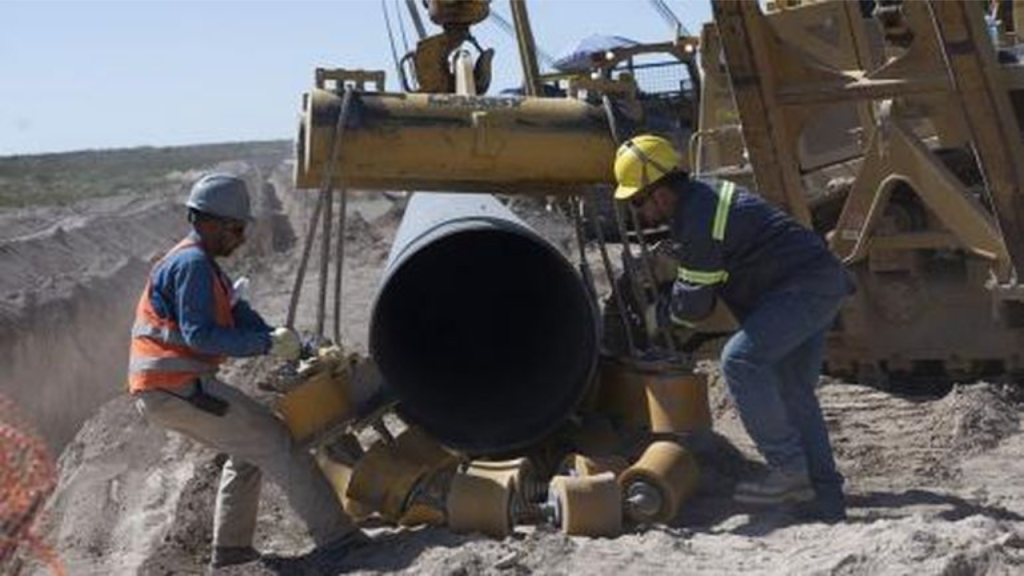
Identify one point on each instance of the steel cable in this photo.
(325, 190)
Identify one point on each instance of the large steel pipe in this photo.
(482, 329)
(453, 143)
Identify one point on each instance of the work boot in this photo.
(224, 556)
(829, 506)
(778, 487)
(820, 511)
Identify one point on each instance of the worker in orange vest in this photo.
(188, 321)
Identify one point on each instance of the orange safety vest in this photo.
(159, 356)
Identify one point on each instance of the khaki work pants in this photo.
(256, 442)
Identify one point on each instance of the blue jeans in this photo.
(771, 367)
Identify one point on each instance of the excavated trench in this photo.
(68, 294)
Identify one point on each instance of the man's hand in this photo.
(285, 344)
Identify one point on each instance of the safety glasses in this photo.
(234, 227)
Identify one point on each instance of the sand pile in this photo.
(975, 418)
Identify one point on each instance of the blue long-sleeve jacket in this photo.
(182, 290)
(731, 243)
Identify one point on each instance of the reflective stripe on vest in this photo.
(171, 364)
(725, 193)
(726, 190)
(159, 356)
(143, 329)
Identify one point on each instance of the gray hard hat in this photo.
(221, 195)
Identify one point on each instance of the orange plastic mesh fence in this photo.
(27, 477)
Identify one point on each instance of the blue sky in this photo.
(79, 75)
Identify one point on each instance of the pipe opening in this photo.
(488, 338)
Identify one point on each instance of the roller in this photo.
(383, 481)
(655, 487)
(587, 506)
(659, 396)
(677, 402)
(480, 504)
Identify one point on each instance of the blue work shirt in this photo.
(733, 244)
(182, 290)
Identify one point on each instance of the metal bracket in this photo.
(335, 79)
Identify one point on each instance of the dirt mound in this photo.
(974, 418)
(121, 482)
(885, 438)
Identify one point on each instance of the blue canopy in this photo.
(581, 57)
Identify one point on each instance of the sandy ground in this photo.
(934, 483)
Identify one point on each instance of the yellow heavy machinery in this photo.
(890, 127)
(895, 133)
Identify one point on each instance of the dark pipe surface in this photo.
(482, 329)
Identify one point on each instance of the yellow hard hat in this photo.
(641, 161)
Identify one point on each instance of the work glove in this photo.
(285, 344)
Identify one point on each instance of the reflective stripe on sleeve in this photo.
(725, 193)
(702, 277)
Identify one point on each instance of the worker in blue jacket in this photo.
(189, 319)
(784, 287)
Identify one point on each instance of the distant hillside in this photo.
(55, 179)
